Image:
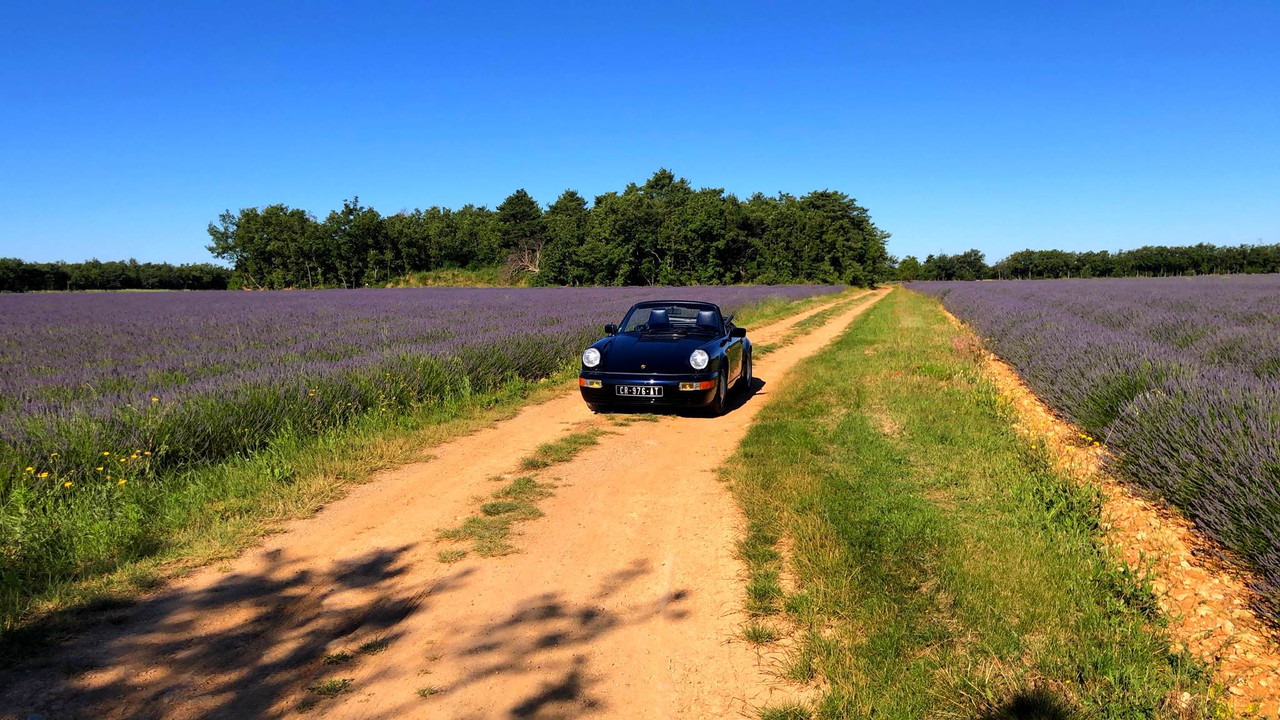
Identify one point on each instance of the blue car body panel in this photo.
(661, 360)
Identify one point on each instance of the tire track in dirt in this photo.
(624, 599)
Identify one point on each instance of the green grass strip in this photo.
(561, 450)
(941, 567)
(490, 531)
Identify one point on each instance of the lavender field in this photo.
(105, 399)
(1179, 376)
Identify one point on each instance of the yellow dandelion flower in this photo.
(155, 399)
(147, 453)
(105, 453)
(67, 484)
(121, 459)
(44, 474)
(122, 481)
(1033, 447)
(99, 468)
(30, 469)
(1096, 443)
(53, 454)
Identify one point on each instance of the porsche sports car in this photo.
(670, 353)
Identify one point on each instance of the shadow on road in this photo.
(234, 648)
(551, 634)
(250, 645)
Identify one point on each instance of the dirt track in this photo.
(622, 602)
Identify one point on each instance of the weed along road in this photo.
(557, 564)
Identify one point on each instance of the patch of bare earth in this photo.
(623, 600)
(1207, 604)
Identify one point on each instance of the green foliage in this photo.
(968, 265)
(663, 232)
(522, 232)
(1149, 260)
(19, 276)
(909, 269)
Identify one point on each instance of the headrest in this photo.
(658, 318)
(707, 319)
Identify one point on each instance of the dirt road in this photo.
(624, 600)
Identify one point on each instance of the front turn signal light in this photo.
(583, 382)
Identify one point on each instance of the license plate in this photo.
(640, 390)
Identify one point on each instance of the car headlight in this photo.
(591, 357)
(699, 359)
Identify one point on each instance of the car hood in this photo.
(665, 355)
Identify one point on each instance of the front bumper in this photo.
(672, 395)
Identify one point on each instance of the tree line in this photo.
(663, 232)
(1149, 260)
(21, 276)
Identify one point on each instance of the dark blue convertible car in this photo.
(671, 353)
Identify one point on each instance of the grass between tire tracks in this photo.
(490, 530)
(809, 324)
(935, 564)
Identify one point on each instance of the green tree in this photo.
(909, 268)
(522, 232)
(566, 228)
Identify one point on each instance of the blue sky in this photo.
(126, 127)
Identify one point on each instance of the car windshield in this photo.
(672, 319)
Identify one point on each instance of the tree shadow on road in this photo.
(553, 635)
(249, 645)
(238, 646)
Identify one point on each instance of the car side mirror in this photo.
(610, 329)
(738, 332)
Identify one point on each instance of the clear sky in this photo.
(126, 127)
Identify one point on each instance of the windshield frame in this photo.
(676, 328)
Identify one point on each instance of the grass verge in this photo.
(941, 567)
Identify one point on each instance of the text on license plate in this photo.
(640, 390)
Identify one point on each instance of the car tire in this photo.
(593, 407)
(744, 382)
(721, 399)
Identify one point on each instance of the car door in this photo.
(733, 352)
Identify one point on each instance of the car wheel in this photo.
(721, 398)
(593, 407)
(744, 382)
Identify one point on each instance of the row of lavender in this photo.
(1180, 376)
(104, 398)
(83, 371)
